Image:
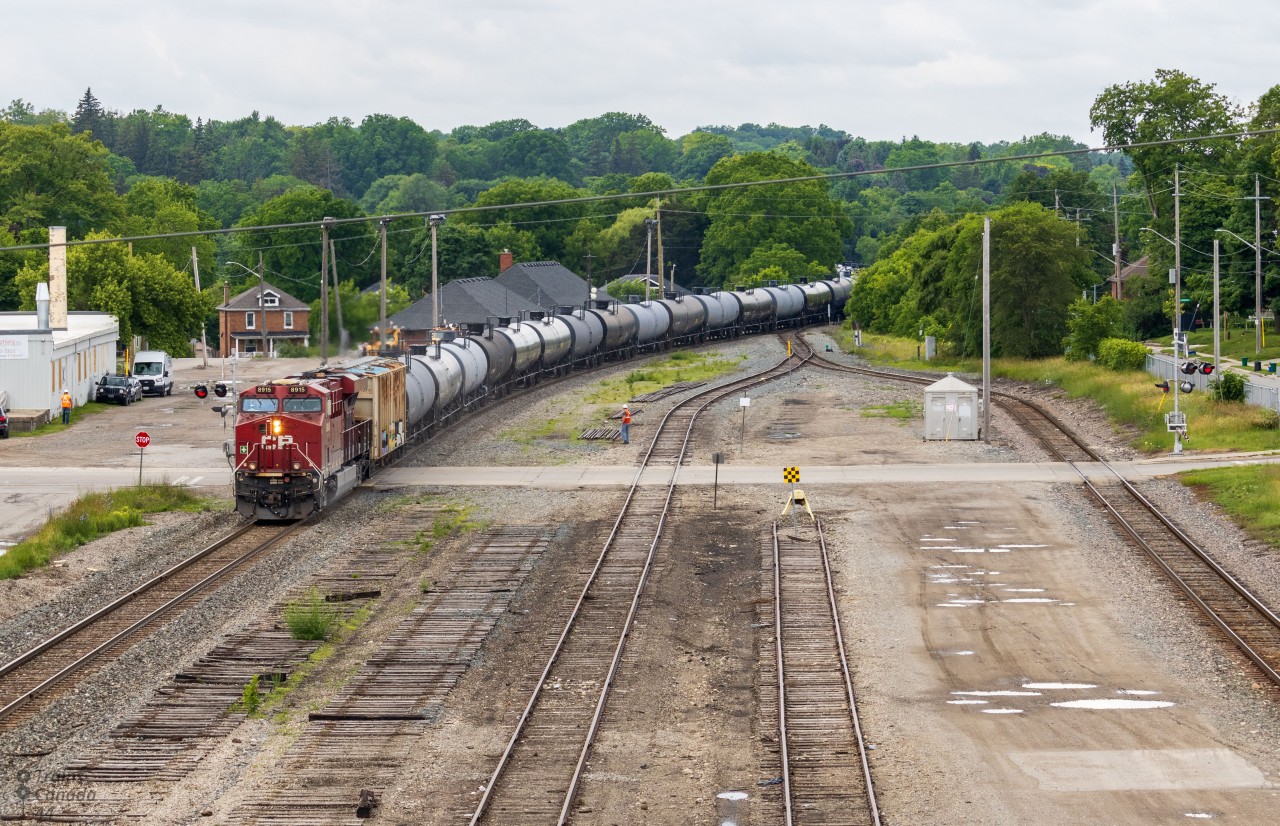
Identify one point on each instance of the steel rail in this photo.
(1010, 403)
(84, 660)
(848, 677)
(782, 679)
(714, 394)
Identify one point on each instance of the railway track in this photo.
(825, 775)
(1247, 622)
(36, 675)
(537, 777)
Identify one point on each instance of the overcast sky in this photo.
(946, 70)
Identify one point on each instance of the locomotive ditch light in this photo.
(220, 390)
(202, 392)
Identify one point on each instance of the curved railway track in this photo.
(538, 774)
(1244, 618)
(74, 652)
(819, 734)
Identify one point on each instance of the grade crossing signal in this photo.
(201, 391)
(1206, 368)
(220, 390)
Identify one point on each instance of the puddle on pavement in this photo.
(1199, 815)
(1024, 590)
(1012, 545)
(732, 795)
(1001, 693)
(1112, 703)
(1029, 599)
(1001, 711)
(966, 702)
(1057, 686)
(1139, 691)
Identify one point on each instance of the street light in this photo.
(648, 255)
(1177, 423)
(1257, 291)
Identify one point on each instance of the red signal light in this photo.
(1206, 368)
(202, 392)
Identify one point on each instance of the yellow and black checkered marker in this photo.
(791, 475)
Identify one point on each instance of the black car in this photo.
(4, 423)
(118, 389)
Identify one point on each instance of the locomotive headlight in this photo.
(253, 466)
(277, 427)
(297, 465)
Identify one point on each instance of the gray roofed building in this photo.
(462, 301)
(547, 284)
(272, 297)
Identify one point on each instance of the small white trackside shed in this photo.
(951, 410)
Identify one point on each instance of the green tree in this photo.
(549, 225)
(397, 194)
(145, 292)
(50, 177)
(783, 263)
(1089, 323)
(593, 141)
(531, 153)
(801, 214)
(156, 206)
(383, 145)
(292, 255)
(89, 116)
(699, 152)
(1173, 105)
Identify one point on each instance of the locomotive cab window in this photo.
(304, 405)
(250, 404)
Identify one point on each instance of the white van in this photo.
(154, 368)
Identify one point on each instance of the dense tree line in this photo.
(896, 207)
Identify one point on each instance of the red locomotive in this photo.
(304, 441)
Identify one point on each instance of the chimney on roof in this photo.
(505, 260)
(226, 293)
(57, 278)
(42, 306)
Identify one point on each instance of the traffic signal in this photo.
(220, 390)
(1206, 368)
(202, 392)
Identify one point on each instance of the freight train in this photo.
(304, 441)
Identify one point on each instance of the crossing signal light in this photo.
(1163, 386)
(1186, 387)
(202, 392)
(1190, 367)
(1206, 368)
(220, 390)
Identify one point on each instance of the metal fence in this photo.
(1163, 367)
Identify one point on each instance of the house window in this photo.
(288, 320)
(271, 300)
(249, 321)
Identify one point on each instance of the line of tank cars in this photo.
(304, 441)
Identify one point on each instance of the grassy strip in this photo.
(77, 413)
(94, 515)
(1131, 398)
(896, 410)
(1247, 493)
(680, 366)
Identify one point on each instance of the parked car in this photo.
(118, 389)
(4, 422)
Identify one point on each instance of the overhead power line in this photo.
(828, 176)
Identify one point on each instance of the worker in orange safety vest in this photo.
(626, 425)
(66, 407)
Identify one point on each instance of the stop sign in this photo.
(142, 439)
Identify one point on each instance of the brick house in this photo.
(260, 319)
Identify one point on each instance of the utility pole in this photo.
(435, 221)
(204, 347)
(262, 310)
(344, 338)
(1257, 264)
(986, 330)
(1177, 300)
(657, 210)
(324, 290)
(1115, 243)
(1057, 208)
(648, 257)
(382, 297)
(1217, 312)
